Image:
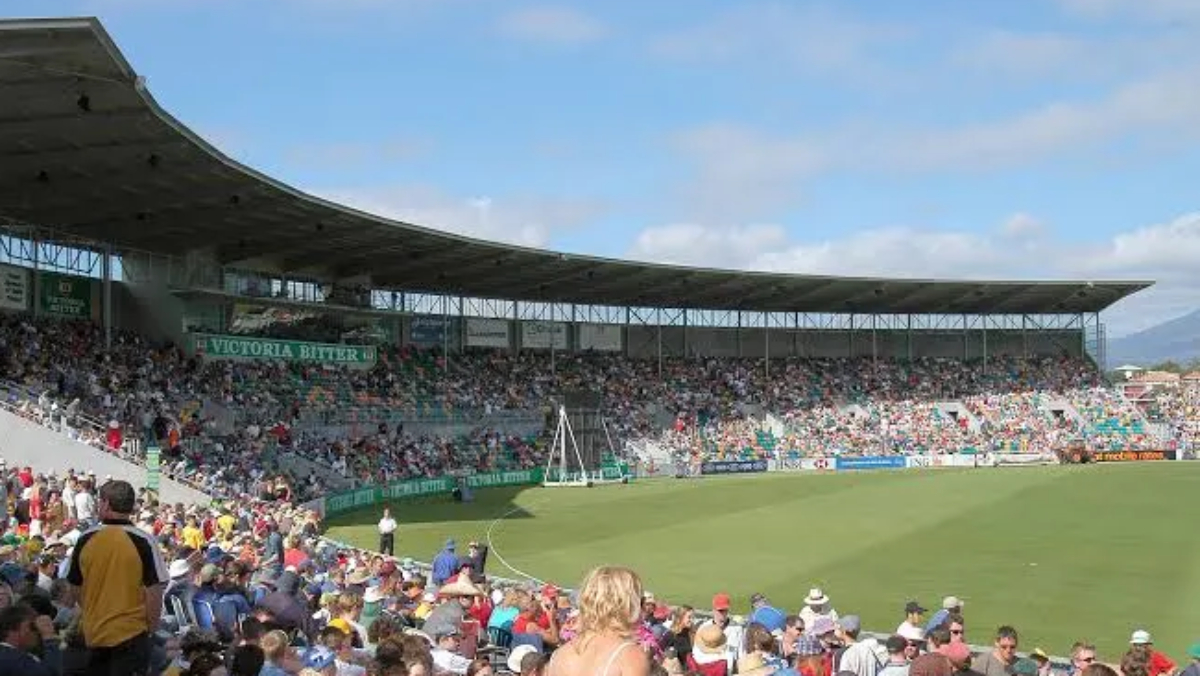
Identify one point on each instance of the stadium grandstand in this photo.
(165, 307)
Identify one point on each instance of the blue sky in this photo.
(1032, 139)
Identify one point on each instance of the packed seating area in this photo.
(250, 588)
(221, 421)
(1178, 408)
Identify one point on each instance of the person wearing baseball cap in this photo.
(733, 633)
(762, 612)
(913, 611)
(720, 608)
(951, 605)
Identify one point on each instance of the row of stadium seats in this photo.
(363, 425)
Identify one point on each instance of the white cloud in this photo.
(742, 173)
(740, 170)
(693, 244)
(523, 221)
(1151, 10)
(767, 34)
(552, 25)
(1076, 57)
(353, 154)
(1019, 248)
(1021, 226)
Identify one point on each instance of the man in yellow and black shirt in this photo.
(121, 578)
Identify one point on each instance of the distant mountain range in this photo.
(1176, 340)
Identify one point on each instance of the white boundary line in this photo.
(492, 546)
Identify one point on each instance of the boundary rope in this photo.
(496, 552)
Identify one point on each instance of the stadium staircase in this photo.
(775, 425)
(1159, 430)
(656, 455)
(27, 443)
(956, 410)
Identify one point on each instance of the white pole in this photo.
(553, 450)
(571, 433)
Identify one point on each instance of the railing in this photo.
(69, 425)
(394, 416)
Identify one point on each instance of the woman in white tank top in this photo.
(610, 608)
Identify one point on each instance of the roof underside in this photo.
(127, 173)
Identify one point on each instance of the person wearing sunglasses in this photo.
(999, 660)
(958, 628)
(1083, 655)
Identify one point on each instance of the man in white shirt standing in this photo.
(913, 615)
(85, 506)
(387, 533)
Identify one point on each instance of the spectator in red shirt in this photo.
(1143, 659)
(293, 556)
(537, 617)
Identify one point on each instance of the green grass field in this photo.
(1062, 553)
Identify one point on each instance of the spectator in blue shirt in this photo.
(445, 565)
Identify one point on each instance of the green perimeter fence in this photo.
(346, 501)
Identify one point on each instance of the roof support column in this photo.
(446, 333)
(107, 302)
(850, 339)
(686, 351)
(984, 336)
(874, 341)
(966, 338)
(1024, 336)
(738, 334)
(37, 275)
(909, 342)
(658, 332)
(767, 344)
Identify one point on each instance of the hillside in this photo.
(1176, 340)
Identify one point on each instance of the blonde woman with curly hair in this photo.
(610, 609)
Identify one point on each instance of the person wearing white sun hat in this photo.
(817, 604)
(1141, 649)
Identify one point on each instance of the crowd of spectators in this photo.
(224, 424)
(249, 588)
(1178, 408)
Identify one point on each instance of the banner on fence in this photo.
(153, 468)
(414, 488)
(14, 288)
(1134, 456)
(842, 463)
(733, 466)
(1019, 459)
(428, 329)
(942, 460)
(600, 337)
(801, 464)
(513, 478)
(246, 347)
(486, 333)
(608, 472)
(66, 296)
(544, 335)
